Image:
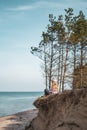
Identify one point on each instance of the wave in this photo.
(21, 98)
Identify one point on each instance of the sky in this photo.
(21, 25)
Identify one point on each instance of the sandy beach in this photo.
(18, 121)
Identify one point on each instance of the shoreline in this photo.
(14, 113)
(18, 121)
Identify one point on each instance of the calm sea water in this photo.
(13, 102)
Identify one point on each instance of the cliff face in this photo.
(66, 111)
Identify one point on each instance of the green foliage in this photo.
(64, 40)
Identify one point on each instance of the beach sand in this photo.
(17, 121)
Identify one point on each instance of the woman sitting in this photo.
(54, 88)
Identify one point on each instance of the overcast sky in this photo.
(21, 26)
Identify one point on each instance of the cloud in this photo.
(38, 4)
(20, 8)
(47, 4)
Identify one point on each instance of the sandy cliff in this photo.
(66, 111)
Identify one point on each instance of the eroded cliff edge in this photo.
(66, 111)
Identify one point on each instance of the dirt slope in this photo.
(66, 111)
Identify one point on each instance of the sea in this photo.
(14, 102)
